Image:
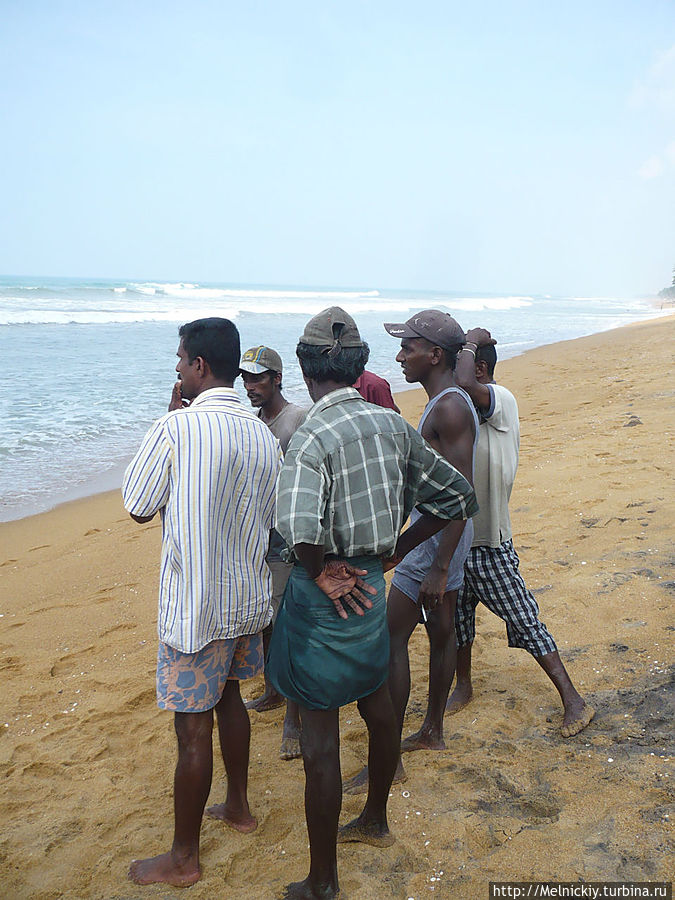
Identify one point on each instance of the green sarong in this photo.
(318, 659)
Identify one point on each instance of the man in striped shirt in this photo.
(209, 467)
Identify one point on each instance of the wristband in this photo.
(472, 352)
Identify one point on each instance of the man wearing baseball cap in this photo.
(261, 371)
(429, 577)
(352, 473)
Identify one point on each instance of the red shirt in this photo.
(375, 390)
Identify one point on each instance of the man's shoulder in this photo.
(451, 410)
(296, 413)
(187, 419)
(371, 378)
(504, 399)
(335, 425)
(502, 391)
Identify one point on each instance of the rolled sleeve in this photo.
(145, 488)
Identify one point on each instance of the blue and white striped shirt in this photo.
(211, 471)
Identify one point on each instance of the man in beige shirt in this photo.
(261, 371)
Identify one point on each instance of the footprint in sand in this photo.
(125, 626)
(11, 663)
(67, 663)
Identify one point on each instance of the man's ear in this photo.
(276, 379)
(437, 355)
(481, 369)
(201, 366)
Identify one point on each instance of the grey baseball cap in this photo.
(319, 330)
(437, 327)
(260, 359)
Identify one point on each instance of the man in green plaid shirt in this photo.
(352, 474)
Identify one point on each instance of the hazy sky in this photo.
(475, 146)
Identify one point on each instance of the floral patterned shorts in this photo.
(194, 682)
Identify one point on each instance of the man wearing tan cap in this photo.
(261, 371)
(352, 473)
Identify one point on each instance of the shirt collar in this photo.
(341, 395)
(216, 393)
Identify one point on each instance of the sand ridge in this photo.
(87, 758)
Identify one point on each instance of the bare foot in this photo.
(304, 890)
(243, 822)
(265, 702)
(576, 719)
(358, 784)
(422, 740)
(290, 748)
(459, 698)
(165, 870)
(365, 833)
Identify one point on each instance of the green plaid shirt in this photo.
(352, 474)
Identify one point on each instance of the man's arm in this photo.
(145, 488)
(465, 373)
(142, 519)
(422, 529)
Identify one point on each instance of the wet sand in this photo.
(87, 758)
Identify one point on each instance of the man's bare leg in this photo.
(402, 618)
(463, 692)
(234, 735)
(440, 627)
(191, 786)
(320, 741)
(577, 713)
(270, 698)
(371, 826)
(290, 738)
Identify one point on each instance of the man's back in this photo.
(211, 469)
(375, 389)
(496, 466)
(368, 460)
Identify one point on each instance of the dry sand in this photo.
(87, 758)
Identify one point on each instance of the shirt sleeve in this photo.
(441, 489)
(487, 412)
(145, 488)
(502, 408)
(302, 495)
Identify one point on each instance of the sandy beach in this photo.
(87, 758)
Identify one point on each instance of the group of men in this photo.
(277, 529)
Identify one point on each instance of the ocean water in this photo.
(90, 364)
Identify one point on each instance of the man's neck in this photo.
(438, 380)
(213, 383)
(271, 410)
(321, 388)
